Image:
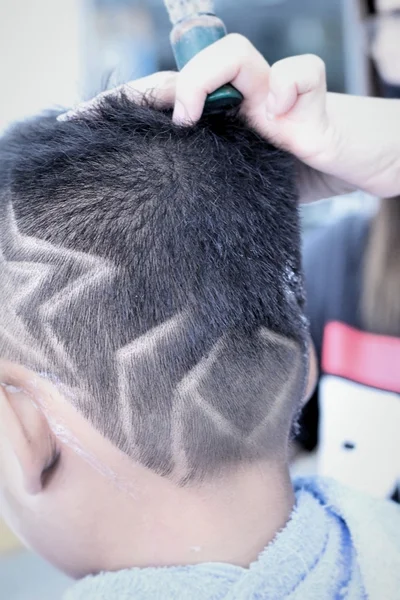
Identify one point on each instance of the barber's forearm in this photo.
(366, 148)
(314, 185)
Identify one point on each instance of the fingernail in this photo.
(180, 115)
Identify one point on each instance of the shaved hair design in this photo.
(154, 271)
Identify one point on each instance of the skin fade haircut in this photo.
(154, 272)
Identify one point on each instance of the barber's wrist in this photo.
(363, 143)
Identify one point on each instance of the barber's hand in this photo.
(342, 142)
(285, 103)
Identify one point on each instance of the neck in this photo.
(231, 520)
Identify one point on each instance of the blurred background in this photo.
(57, 53)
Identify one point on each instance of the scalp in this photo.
(153, 259)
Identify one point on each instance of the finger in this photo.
(160, 87)
(233, 59)
(298, 84)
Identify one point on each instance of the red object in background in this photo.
(370, 359)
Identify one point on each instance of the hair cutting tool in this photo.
(195, 26)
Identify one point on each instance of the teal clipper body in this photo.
(195, 28)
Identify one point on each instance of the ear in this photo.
(28, 434)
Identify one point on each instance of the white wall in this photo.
(40, 56)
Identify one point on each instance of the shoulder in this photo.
(344, 499)
(374, 526)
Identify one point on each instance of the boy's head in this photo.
(151, 309)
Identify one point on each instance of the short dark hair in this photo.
(154, 271)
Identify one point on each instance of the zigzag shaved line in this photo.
(275, 411)
(96, 269)
(189, 387)
(29, 354)
(194, 376)
(58, 301)
(17, 335)
(181, 465)
(186, 395)
(148, 342)
(34, 277)
(144, 346)
(221, 423)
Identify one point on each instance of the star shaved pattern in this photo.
(40, 282)
(143, 354)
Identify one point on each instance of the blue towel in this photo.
(337, 545)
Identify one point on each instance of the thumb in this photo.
(297, 89)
